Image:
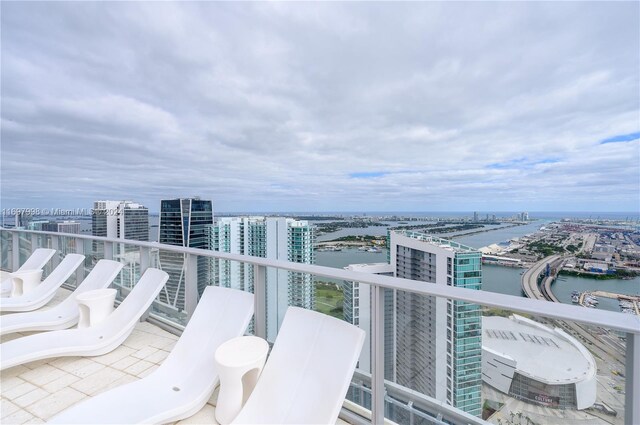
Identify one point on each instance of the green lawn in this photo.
(329, 299)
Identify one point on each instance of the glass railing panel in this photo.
(24, 247)
(355, 306)
(170, 305)
(129, 257)
(6, 251)
(472, 358)
(44, 241)
(85, 246)
(231, 274)
(560, 369)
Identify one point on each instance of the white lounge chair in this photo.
(65, 314)
(308, 372)
(91, 341)
(181, 386)
(38, 259)
(44, 292)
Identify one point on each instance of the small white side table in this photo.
(24, 281)
(240, 361)
(95, 306)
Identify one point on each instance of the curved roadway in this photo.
(530, 278)
(532, 290)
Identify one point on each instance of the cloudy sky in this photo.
(322, 107)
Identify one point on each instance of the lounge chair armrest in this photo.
(95, 306)
(24, 281)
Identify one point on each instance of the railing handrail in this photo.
(609, 319)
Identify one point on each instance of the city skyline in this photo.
(334, 107)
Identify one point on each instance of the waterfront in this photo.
(478, 240)
(371, 230)
(504, 280)
(565, 285)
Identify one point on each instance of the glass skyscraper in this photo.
(183, 222)
(432, 345)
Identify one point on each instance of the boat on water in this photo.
(373, 249)
(329, 248)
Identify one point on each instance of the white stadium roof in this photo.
(541, 353)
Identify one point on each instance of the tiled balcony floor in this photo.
(37, 391)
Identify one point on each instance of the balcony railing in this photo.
(379, 394)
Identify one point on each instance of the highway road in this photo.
(592, 338)
(530, 277)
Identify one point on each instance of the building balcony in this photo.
(35, 392)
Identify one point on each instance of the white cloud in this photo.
(273, 106)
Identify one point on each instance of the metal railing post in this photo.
(144, 259)
(108, 251)
(190, 284)
(80, 270)
(260, 300)
(15, 251)
(632, 383)
(377, 355)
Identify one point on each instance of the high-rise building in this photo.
(121, 220)
(232, 235)
(475, 216)
(183, 222)
(66, 226)
(278, 238)
(38, 225)
(356, 308)
(22, 220)
(62, 226)
(435, 343)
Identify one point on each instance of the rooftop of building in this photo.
(442, 243)
(541, 353)
(36, 392)
(371, 267)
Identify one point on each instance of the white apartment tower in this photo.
(432, 345)
(277, 238)
(121, 220)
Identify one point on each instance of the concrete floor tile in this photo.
(206, 415)
(64, 381)
(42, 375)
(55, 403)
(157, 357)
(9, 383)
(122, 381)
(36, 364)
(18, 417)
(7, 408)
(114, 356)
(18, 391)
(139, 367)
(124, 363)
(13, 371)
(30, 397)
(148, 371)
(88, 369)
(144, 353)
(95, 382)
